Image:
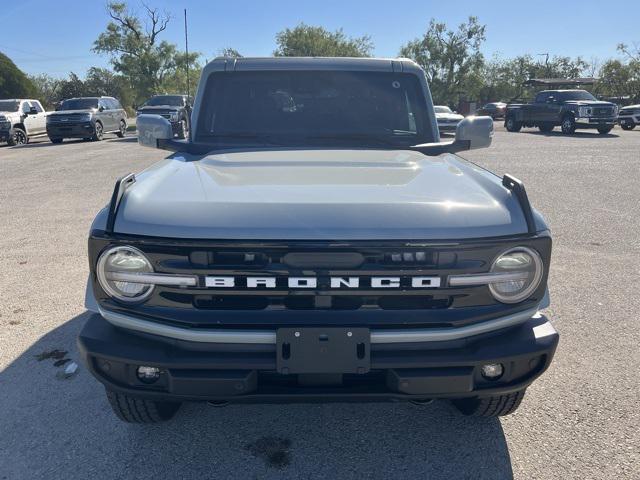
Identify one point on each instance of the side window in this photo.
(26, 107)
(37, 106)
(541, 97)
(102, 103)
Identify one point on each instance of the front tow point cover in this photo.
(431, 381)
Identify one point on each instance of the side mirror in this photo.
(101, 108)
(33, 111)
(471, 133)
(475, 132)
(153, 130)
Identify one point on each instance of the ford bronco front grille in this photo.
(393, 283)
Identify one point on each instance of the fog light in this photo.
(492, 371)
(148, 374)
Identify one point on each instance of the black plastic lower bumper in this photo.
(247, 373)
(75, 130)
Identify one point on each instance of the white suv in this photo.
(20, 120)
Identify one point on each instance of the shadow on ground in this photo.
(53, 428)
(590, 134)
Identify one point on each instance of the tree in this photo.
(175, 81)
(309, 41)
(47, 89)
(13, 82)
(615, 79)
(451, 59)
(230, 53)
(632, 54)
(136, 50)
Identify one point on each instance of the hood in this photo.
(9, 114)
(318, 195)
(71, 112)
(590, 103)
(159, 108)
(449, 116)
(631, 107)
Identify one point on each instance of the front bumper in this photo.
(447, 127)
(595, 122)
(245, 372)
(5, 135)
(70, 130)
(629, 119)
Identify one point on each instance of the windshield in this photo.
(576, 95)
(441, 109)
(314, 107)
(171, 100)
(9, 106)
(79, 104)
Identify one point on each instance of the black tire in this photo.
(511, 124)
(546, 127)
(122, 130)
(138, 410)
(98, 132)
(605, 130)
(568, 125)
(18, 137)
(628, 126)
(183, 131)
(55, 140)
(497, 406)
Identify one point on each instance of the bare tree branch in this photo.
(125, 22)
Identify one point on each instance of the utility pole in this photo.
(186, 47)
(546, 62)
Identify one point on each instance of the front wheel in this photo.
(122, 130)
(18, 137)
(604, 130)
(628, 126)
(98, 132)
(568, 125)
(512, 125)
(497, 406)
(139, 410)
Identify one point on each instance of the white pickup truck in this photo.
(20, 120)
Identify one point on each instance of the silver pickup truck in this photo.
(314, 240)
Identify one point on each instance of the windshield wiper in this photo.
(246, 136)
(355, 136)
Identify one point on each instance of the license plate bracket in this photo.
(323, 350)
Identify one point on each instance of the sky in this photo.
(56, 36)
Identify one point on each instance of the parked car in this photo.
(495, 110)
(629, 117)
(88, 118)
(447, 119)
(313, 240)
(569, 109)
(175, 108)
(21, 120)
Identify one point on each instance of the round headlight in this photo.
(123, 260)
(523, 270)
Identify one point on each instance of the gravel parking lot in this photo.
(580, 420)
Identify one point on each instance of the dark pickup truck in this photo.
(569, 109)
(175, 108)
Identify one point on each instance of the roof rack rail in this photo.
(121, 186)
(517, 188)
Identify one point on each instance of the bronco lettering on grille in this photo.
(331, 282)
